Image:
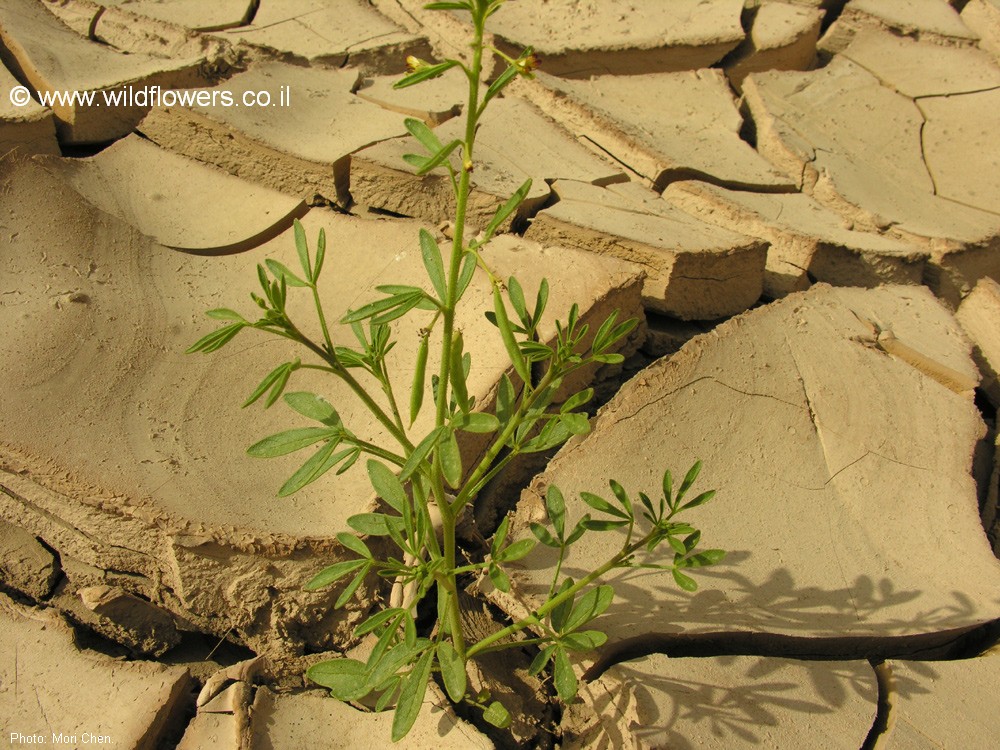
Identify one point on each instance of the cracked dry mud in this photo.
(800, 200)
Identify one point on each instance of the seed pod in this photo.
(458, 386)
(417, 390)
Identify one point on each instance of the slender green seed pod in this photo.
(458, 386)
(417, 390)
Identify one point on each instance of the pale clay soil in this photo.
(800, 201)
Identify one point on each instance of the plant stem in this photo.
(341, 372)
(449, 512)
(380, 452)
(390, 396)
(450, 584)
(322, 318)
(536, 617)
(484, 467)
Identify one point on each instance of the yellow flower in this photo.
(526, 64)
(413, 64)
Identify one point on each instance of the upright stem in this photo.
(484, 467)
(449, 516)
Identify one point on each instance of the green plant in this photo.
(427, 488)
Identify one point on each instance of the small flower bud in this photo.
(414, 64)
(526, 64)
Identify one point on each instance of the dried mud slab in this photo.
(119, 616)
(957, 90)
(39, 49)
(196, 15)
(983, 18)
(53, 687)
(842, 465)
(215, 730)
(121, 27)
(694, 270)
(151, 479)
(943, 703)
(434, 101)
(314, 721)
(329, 34)
(449, 33)
(807, 241)
(25, 564)
(580, 40)
(859, 148)
(299, 145)
(732, 702)
(692, 131)
(957, 127)
(936, 20)
(516, 143)
(180, 203)
(781, 37)
(918, 68)
(979, 315)
(26, 129)
(991, 508)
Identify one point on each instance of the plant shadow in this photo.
(731, 613)
(733, 701)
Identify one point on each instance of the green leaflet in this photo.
(452, 671)
(507, 334)
(290, 441)
(321, 462)
(433, 262)
(591, 604)
(302, 248)
(411, 696)
(425, 164)
(419, 130)
(281, 271)
(333, 574)
(345, 678)
(276, 380)
(565, 677)
(497, 715)
(312, 406)
(424, 74)
(387, 485)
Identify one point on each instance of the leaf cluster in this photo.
(565, 617)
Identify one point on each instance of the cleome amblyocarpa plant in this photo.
(421, 478)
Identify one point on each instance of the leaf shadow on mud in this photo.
(733, 614)
(663, 711)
